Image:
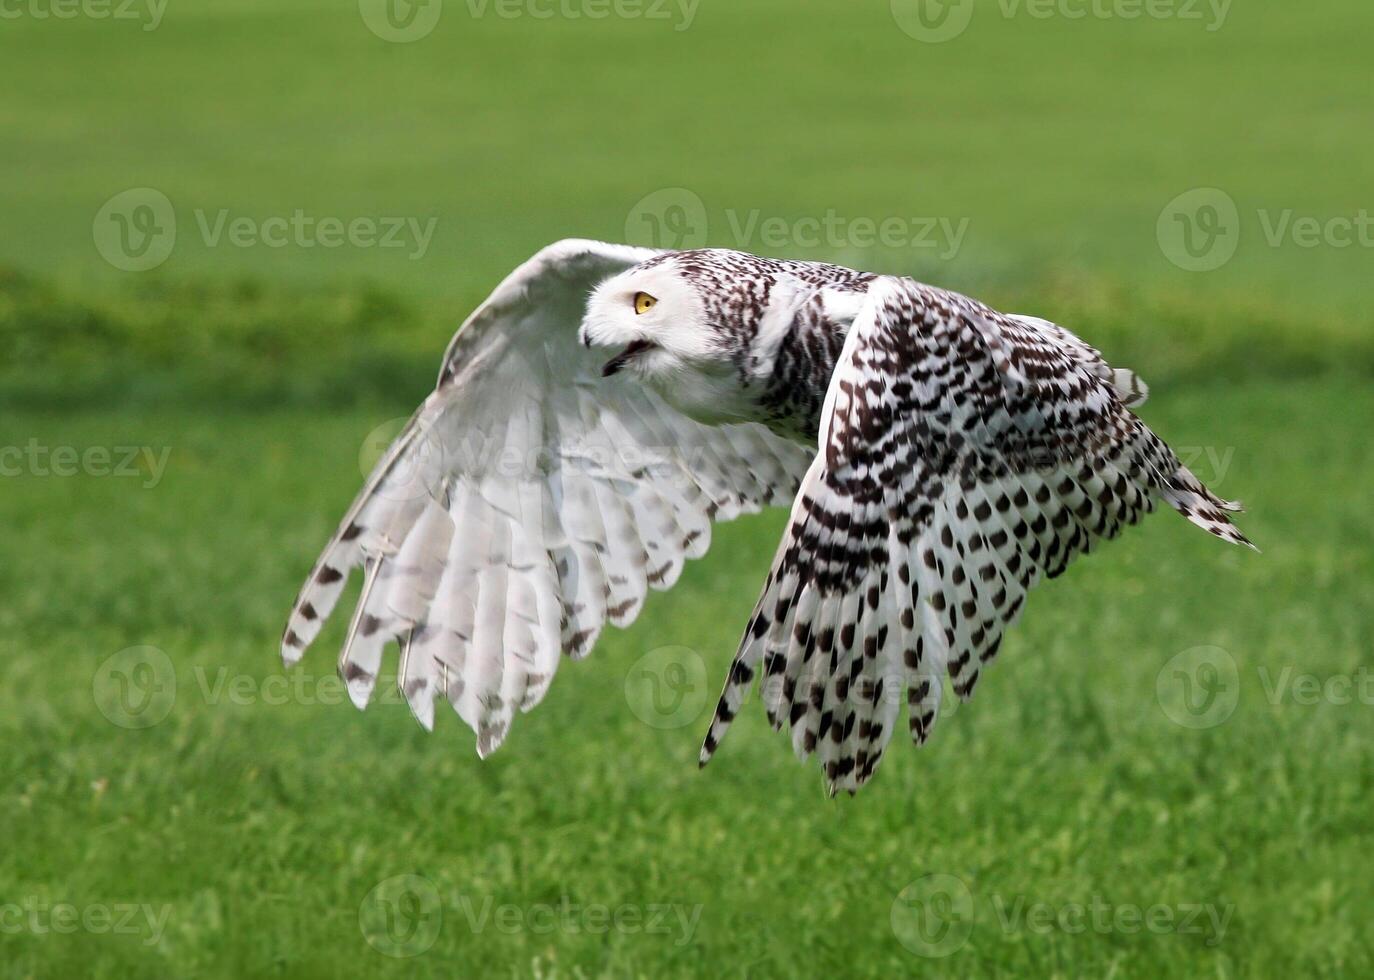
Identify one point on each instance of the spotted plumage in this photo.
(939, 458)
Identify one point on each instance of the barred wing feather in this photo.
(964, 456)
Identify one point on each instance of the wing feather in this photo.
(964, 456)
(528, 502)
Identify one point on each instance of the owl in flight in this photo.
(606, 404)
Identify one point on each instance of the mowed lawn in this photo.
(246, 830)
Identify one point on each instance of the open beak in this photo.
(635, 348)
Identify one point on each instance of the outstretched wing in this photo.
(528, 502)
(964, 456)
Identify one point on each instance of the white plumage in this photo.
(542, 490)
(528, 502)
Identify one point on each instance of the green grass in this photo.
(262, 826)
(251, 342)
(1060, 140)
(257, 818)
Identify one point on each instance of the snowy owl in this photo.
(606, 404)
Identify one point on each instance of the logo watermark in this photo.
(678, 13)
(1201, 229)
(36, 459)
(136, 687)
(149, 13)
(937, 21)
(935, 915)
(676, 218)
(871, 691)
(404, 21)
(220, 686)
(38, 917)
(1199, 687)
(401, 21)
(668, 687)
(672, 217)
(136, 230)
(419, 469)
(1206, 920)
(306, 231)
(139, 686)
(933, 21)
(1291, 686)
(1210, 464)
(403, 916)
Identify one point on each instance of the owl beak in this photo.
(635, 348)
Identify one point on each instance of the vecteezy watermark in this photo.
(932, 21)
(676, 218)
(136, 687)
(667, 687)
(1207, 920)
(1199, 687)
(403, 916)
(870, 692)
(37, 916)
(417, 471)
(935, 915)
(935, 21)
(136, 230)
(220, 686)
(401, 21)
(679, 13)
(1210, 464)
(672, 217)
(302, 230)
(1201, 229)
(124, 462)
(1291, 686)
(148, 12)
(674, 920)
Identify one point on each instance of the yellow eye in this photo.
(644, 303)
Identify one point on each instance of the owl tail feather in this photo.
(1184, 492)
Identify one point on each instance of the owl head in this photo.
(703, 328)
(663, 319)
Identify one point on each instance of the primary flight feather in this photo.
(939, 459)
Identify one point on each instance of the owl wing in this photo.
(964, 456)
(528, 502)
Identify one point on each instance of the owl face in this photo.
(658, 320)
(655, 316)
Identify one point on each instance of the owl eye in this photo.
(644, 303)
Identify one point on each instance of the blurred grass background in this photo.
(263, 826)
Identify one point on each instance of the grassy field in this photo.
(1168, 773)
(261, 816)
(1060, 140)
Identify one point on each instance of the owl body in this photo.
(938, 459)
